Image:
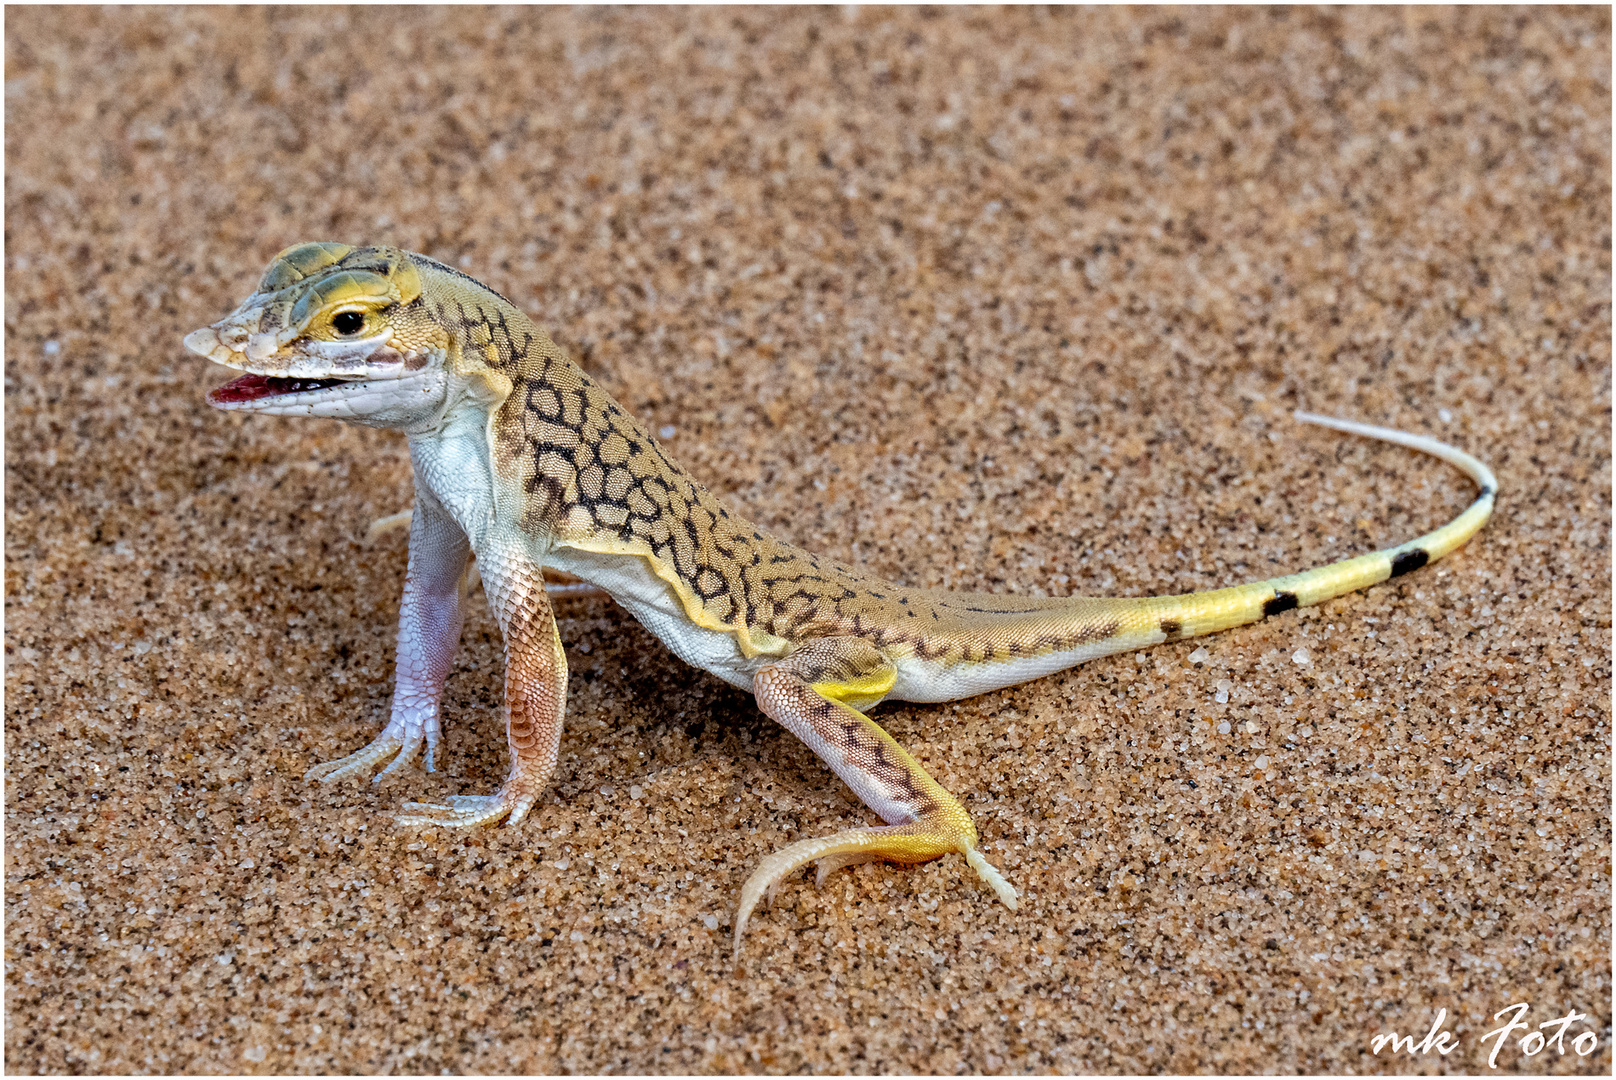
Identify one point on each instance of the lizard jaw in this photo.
(368, 382)
(383, 401)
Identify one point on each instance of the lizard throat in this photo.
(258, 387)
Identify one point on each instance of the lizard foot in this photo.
(916, 841)
(385, 746)
(468, 811)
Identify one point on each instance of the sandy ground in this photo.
(1008, 300)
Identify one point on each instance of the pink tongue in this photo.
(254, 387)
(246, 388)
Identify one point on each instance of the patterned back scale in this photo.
(591, 472)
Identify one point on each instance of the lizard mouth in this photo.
(257, 387)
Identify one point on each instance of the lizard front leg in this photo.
(816, 694)
(535, 697)
(429, 621)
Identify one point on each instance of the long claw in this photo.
(900, 843)
(990, 874)
(777, 866)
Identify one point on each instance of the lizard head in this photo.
(334, 331)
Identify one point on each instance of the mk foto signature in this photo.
(1532, 1043)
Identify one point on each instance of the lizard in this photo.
(522, 459)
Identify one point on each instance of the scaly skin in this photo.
(523, 461)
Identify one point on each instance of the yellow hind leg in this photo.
(816, 694)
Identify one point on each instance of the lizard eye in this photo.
(347, 322)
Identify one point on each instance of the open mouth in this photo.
(258, 387)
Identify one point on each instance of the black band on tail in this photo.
(1281, 601)
(1410, 561)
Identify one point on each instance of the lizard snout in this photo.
(206, 342)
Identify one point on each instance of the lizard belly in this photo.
(933, 680)
(633, 584)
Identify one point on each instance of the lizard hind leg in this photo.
(816, 694)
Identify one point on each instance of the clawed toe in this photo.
(989, 873)
(406, 756)
(827, 866)
(463, 811)
(915, 842)
(361, 761)
(402, 752)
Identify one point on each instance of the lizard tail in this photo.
(1012, 639)
(1219, 609)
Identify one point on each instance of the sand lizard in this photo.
(522, 459)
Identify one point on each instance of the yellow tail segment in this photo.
(1207, 612)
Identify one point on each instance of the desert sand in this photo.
(979, 299)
